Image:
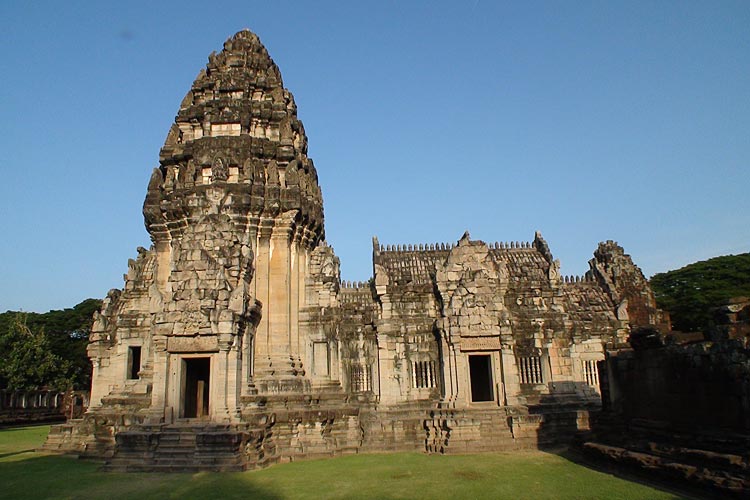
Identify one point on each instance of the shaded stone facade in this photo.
(234, 343)
(680, 411)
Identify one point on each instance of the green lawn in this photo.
(535, 475)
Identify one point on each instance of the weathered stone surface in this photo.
(235, 334)
(678, 410)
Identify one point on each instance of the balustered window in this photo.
(530, 369)
(590, 372)
(361, 378)
(423, 374)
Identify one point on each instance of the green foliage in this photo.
(56, 338)
(520, 474)
(689, 293)
(28, 362)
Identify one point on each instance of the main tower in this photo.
(235, 189)
(211, 316)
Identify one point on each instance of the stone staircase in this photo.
(181, 447)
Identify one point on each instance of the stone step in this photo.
(182, 447)
(730, 482)
(171, 468)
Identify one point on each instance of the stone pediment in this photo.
(472, 286)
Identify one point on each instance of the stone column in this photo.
(223, 375)
(296, 262)
(97, 389)
(450, 375)
(159, 399)
(510, 375)
(279, 293)
(260, 282)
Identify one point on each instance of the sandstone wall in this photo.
(699, 386)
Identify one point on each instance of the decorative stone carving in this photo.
(219, 172)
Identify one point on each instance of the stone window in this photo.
(423, 374)
(134, 362)
(530, 369)
(590, 372)
(361, 378)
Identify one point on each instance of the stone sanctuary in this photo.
(235, 344)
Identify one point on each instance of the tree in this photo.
(66, 335)
(28, 362)
(691, 292)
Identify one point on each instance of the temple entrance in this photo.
(195, 387)
(480, 373)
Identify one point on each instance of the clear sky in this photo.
(587, 121)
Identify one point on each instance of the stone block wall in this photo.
(695, 386)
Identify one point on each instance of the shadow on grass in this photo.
(678, 490)
(53, 476)
(4, 455)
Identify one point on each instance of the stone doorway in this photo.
(480, 373)
(195, 387)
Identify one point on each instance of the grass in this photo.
(25, 473)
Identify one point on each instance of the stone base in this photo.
(275, 428)
(182, 447)
(715, 461)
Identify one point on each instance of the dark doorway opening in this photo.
(480, 372)
(197, 374)
(134, 361)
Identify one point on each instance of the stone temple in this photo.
(235, 344)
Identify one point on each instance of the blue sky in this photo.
(587, 121)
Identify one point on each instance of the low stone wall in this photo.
(702, 386)
(21, 407)
(679, 412)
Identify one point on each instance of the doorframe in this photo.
(180, 380)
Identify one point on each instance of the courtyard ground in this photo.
(25, 473)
